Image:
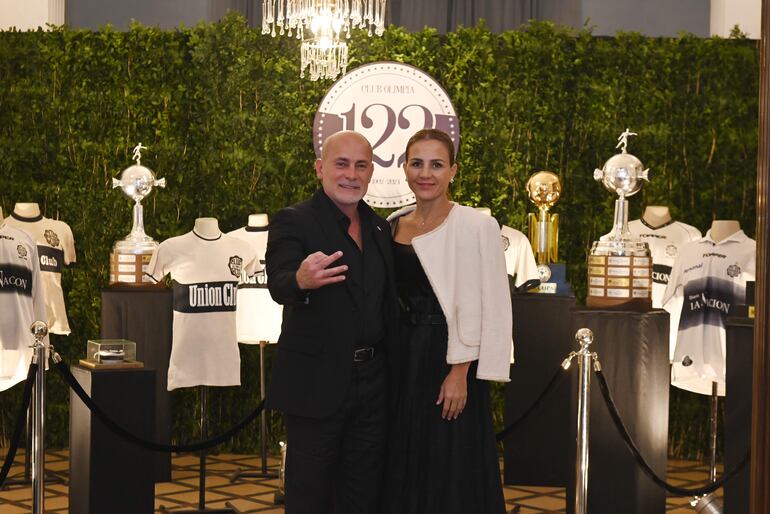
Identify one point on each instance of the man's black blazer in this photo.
(314, 360)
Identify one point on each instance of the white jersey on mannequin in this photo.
(205, 273)
(55, 249)
(258, 317)
(711, 276)
(665, 243)
(22, 301)
(519, 258)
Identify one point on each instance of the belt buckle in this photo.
(363, 354)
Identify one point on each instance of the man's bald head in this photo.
(341, 138)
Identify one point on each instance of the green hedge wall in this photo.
(228, 123)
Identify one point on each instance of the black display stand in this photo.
(145, 316)
(737, 431)
(202, 509)
(107, 473)
(537, 452)
(633, 351)
(263, 473)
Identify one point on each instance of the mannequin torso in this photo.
(257, 220)
(722, 229)
(207, 228)
(656, 216)
(27, 210)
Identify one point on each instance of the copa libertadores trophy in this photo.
(619, 266)
(544, 190)
(131, 256)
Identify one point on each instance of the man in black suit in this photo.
(329, 263)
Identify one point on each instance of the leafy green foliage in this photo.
(228, 123)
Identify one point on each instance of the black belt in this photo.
(364, 354)
(415, 318)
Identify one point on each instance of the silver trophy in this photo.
(619, 265)
(131, 255)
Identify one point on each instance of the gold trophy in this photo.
(544, 189)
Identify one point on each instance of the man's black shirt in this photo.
(365, 276)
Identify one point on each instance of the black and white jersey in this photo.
(258, 317)
(665, 242)
(22, 301)
(519, 257)
(711, 278)
(205, 275)
(55, 248)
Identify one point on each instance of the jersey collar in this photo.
(206, 238)
(669, 222)
(27, 220)
(737, 237)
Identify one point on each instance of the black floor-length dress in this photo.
(435, 466)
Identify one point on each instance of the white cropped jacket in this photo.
(464, 261)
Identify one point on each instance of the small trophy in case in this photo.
(110, 354)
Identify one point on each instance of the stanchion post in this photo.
(263, 415)
(713, 434)
(584, 337)
(39, 330)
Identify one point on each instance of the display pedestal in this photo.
(145, 316)
(737, 436)
(633, 351)
(107, 473)
(537, 452)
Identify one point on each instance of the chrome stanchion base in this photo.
(709, 504)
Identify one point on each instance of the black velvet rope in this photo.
(550, 387)
(20, 422)
(678, 491)
(151, 445)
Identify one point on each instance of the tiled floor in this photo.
(251, 495)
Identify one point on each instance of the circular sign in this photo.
(386, 102)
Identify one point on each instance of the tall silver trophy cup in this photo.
(131, 255)
(619, 265)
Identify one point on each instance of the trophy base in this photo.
(129, 268)
(619, 304)
(620, 276)
(556, 281)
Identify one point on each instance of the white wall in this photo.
(725, 14)
(653, 18)
(30, 14)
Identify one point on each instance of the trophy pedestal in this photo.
(557, 283)
(129, 262)
(620, 276)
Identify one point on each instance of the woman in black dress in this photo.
(442, 457)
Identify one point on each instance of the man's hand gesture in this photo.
(314, 272)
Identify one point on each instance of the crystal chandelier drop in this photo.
(320, 25)
(324, 59)
(296, 16)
